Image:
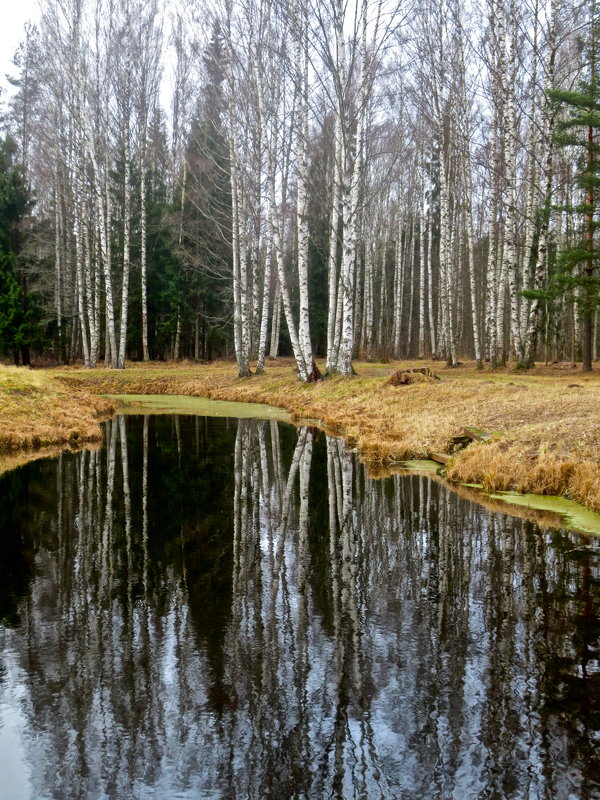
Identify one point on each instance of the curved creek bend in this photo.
(232, 608)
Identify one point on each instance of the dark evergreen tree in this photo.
(206, 233)
(578, 266)
(20, 310)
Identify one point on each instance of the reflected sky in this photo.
(235, 609)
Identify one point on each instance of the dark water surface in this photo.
(213, 608)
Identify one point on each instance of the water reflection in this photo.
(220, 608)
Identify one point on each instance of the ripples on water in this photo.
(216, 608)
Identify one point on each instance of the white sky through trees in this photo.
(15, 13)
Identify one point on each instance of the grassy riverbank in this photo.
(544, 424)
(38, 412)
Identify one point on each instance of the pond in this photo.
(233, 608)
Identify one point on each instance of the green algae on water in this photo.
(419, 465)
(199, 406)
(574, 516)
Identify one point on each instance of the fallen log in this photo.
(441, 458)
(474, 434)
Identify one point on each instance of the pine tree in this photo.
(578, 266)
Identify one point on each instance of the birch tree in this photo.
(408, 157)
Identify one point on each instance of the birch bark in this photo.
(144, 257)
(126, 245)
(240, 307)
(301, 70)
(541, 256)
(510, 228)
(533, 191)
(422, 271)
(334, 243)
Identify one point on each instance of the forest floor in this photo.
(543, 424)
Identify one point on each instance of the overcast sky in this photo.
(15, 13)
(13, 16)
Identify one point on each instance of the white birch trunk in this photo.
(444, 257)
(502, 97)
(126, 252)
(399, 290)
(276, 239)
(332, 260)
(410, 277)
(541, 258)
(281, 276)
(244, 289)
(471, 267)
(243, 370)
(467, 187)
(350, 200)
(510, 229)
(381, 330)
(422, 274)
(352, 169)
(533, 192)
(491, 296)
(101, 217)
(143, 258)
(432, 327)
(301, 59)
(238, 222)
(90, 298)
(58, 266)
(368, 301)
(266, 298)
(264, 316)
(276, 321)
(79, 223)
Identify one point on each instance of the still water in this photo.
(220, 608)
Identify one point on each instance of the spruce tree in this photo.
(20, 311)
(577, 268)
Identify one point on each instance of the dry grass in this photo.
(511, 467)
(545, 423)
(540, 516)
(38, 411)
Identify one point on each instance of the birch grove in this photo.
(320, 181)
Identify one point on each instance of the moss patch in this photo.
(198, 406)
